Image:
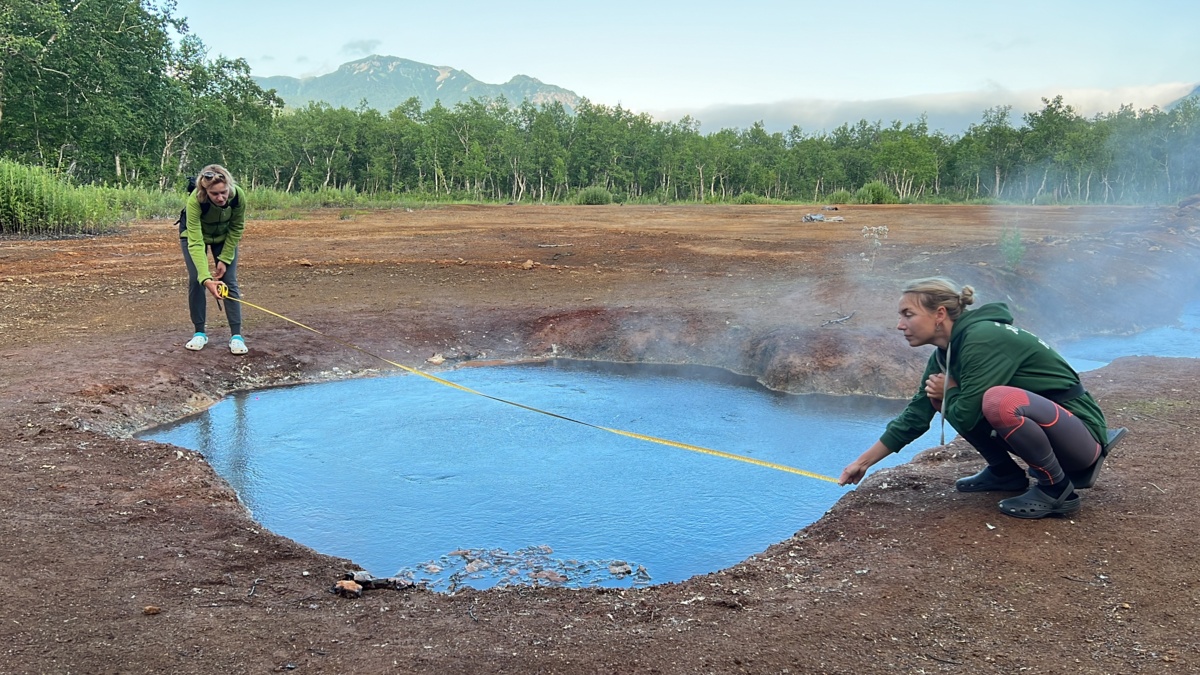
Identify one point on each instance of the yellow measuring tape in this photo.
(224, 293)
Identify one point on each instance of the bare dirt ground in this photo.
(120, 555)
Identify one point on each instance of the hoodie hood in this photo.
(995, 311)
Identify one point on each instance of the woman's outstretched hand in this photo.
(858, 468)
(853, 473)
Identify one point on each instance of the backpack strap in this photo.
(182, 222)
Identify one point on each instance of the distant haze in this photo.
(950, 113)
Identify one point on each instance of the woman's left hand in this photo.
(936, 386)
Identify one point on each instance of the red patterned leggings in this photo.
(1049, 438)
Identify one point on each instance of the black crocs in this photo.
(987, 481)
(1038, 504)
(1086, 478)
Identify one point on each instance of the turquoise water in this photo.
(1181, 340)
(408, 477)
(399, 473)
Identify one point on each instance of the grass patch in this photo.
(34, 202)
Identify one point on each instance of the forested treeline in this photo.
(98, 91)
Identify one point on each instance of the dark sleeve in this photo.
(914, 421)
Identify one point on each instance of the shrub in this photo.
(875, 192)
(840, 197)
(594, 196)
(748, 198)
(1012, 248)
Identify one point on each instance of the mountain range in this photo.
(385, 82)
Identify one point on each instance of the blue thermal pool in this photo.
(406, 476)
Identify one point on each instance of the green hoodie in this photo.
(986, 351)
(211, 224)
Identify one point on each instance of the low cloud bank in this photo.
(951, 113)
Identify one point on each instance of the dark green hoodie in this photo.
(986, 351)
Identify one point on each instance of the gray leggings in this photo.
(198, 295)
(1047, 436)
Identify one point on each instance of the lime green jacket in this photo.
(206, 224)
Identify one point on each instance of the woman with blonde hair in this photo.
(214, 219)
(1007, 393)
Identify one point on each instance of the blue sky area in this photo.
(749, 60)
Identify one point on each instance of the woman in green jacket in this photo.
(1006, 392)
(214, 219)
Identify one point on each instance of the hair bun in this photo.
(967, 295)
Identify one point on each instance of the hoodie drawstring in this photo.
(946, 390)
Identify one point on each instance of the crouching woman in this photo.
(1007, 393)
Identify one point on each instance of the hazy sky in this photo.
(672, 58)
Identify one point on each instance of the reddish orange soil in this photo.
(129, 556)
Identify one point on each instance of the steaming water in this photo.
(394, 472)
(1179, 340)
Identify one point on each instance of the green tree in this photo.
(402, 140)
(549, 128)
(814, 165)
(904, 160)
(214, 111)
(103, 85)
(997, 146)
(760, 162)
(852, 145)
(27, 29)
